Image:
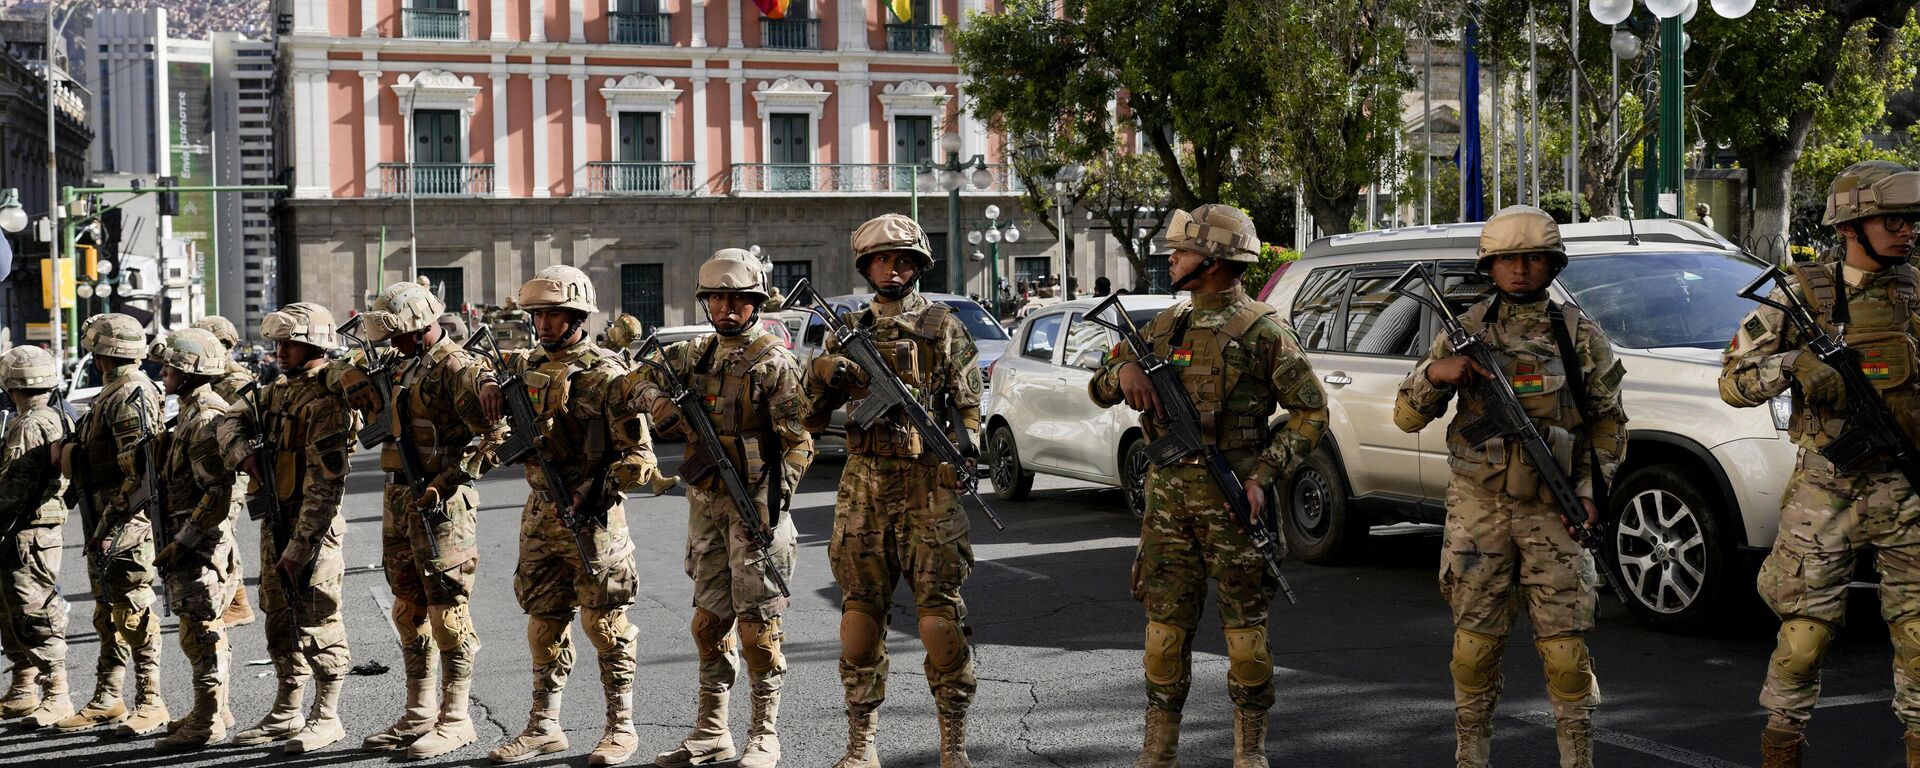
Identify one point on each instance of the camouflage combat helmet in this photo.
(890, 232)
(1521, 229)
(303, 322)
(1872, 188)
(732, 270)
(193, 351)
(28, 367)
(454, 325)
(403, 308)
(222, 329)
(1215, 231)
(114, 335)
(558, 287)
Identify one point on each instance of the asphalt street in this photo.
(1362, 660)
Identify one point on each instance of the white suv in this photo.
(1702, 480)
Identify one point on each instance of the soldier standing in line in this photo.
(898, 516)
(102, 460)
(435, 418)
(198, 485)
(580, 394)
(33, 508)
(1239, 362)
(228, 386)
(751, 386)
(1504, 534)
(1865, 293)
(308, 430)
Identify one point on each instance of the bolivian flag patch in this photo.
(1181, 356)
(1529, 385)
(712, 403)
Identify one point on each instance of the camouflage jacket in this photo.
(580, 397)
(197, 479)
(933, 354)
(110, 436)
(751, 387)
(439, 395)
(29, 488)
(311, 428)
(229, 384)
(1238, 362)
(1523, 338)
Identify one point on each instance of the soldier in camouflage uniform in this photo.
(1830, 519)
(198, 483)
(1239, 363)
(228, 386)
(119, 546)
(435, 415)
(310, 428)
(751, 384)
(1503, 532)
(580, 393)
(897, 515)
(33, 615)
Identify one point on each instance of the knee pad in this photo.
(1476, 660)
(760, 645)
(1906, 646)
(860, 633)
(547, 639)
(610, 629)
(940, 632)
(452, 625)
(1569, 668)
(1802, 643)
(1166, 656)
(408, 620)
(1251, 660)
(712, 635)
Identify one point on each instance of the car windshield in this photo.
(1650, 300)
(979, 325)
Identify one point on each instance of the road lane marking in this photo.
(1643, 746)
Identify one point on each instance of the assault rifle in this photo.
(888, 394)
(264, 502)
(149, 495)
(1185, 438)
(522, 419)
(701, 426)
(1505, 418)
(380, 372)
(1871, 431)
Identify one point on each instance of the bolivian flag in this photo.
(903, 10)
(774, 9)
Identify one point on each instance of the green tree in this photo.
(1126, 192)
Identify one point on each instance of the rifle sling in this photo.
(1577, 380)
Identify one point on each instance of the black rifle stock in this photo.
(692, 410)
(416, 474)
(1504, 417)
(1184, 438)
(377, 430)
(148, 495)
(522, 419)
(1871, 429)
(888, 394)
(264, 502)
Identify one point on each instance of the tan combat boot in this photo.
(1576, 743)
(455, 727)
(202, 727)
(763, 743)
(1250, 738)
(862, 729)
(240, 611)
(620, 740)
(149, 711)
(542, 735)
(1475, 745)
(1161, 749)
(23, 694)
(1913, 749)
(953, 740)
(710, 741)
(282, 721)
(323, 721)
(415, 721)
(106, 707)
(56, 705)
(1780, 748)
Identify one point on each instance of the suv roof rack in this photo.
(1467, 235)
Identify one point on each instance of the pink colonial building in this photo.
(630, 138)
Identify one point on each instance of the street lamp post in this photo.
(953, 176)
(1066, 182)
(992, 234)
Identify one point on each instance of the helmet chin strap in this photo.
(1205, 264)
(751, 319)
(572, 335)
(1866, 244)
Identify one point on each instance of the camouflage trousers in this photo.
(199, 587)
(1827, 522)
(236, 566)
(123, 614)
(551, 583)
(418, 579)
(894, 521)
(33, 615)
(727, 571)
(305, 633)
(1497, 545)
(1186, 538)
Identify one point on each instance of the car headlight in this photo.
(1782, 408)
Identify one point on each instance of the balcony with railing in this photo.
(436, 179)
(917, 38)
(639, 178)
(641, 28)
(855, 179)
(798, 34)
(434, 24)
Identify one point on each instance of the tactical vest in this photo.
(1214, 366)
(741, 422)
(1881, 331)
(576, 441)
(911, 346)
(184, 488)
(52, 509)
(113, 403)
(1534, 368)
(289, 427)
(424, 412)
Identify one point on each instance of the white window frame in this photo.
(640, 92)
(914, 98)
(438, 89)
(790, 95)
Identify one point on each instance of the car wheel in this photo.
(1666, 551)
(1133, 476)
(1010, 482)
(1321, 526)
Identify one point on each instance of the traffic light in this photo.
(89, 258)
(169, 199)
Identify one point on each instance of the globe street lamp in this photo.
(992, 234)
(953, 176)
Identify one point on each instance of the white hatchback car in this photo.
(1040, 419)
